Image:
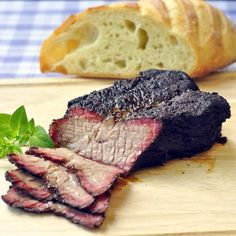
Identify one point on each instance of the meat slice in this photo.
(16, 199)
(95, 177)
(58, 179)
(37, 188)
(100, 204)
(33, 185)
(147, 121)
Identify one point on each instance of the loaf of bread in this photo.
(119, 40)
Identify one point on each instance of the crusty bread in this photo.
(121, 39)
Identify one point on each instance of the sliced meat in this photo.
(37, 188)
(100, 204)
(33, 185)
(16, 199)
(95, 177)
(58, 179)
(159, 116)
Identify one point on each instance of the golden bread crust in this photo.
(206, 30)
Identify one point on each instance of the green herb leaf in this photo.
(16, 149)
(1, 141)
(9, 148)
(5, 129)
(31, 125)
(24, 140)
(19, 121)
(40, 138)
(5, 119)
(3, 152)
(16, 131)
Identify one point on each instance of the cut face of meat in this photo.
(158, 116)
(95, 177)
(107, 141)
(16, 199)
(37, 188)
(58, 179)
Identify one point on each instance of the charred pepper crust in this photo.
(125, 96)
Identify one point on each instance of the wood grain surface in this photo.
(185, 197)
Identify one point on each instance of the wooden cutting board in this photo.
(185, 197)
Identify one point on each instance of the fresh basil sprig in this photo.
(16, 131)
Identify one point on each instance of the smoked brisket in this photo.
(142, 122)
(17, 199)
(65, 184)
(37, 188)
(95, 177)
